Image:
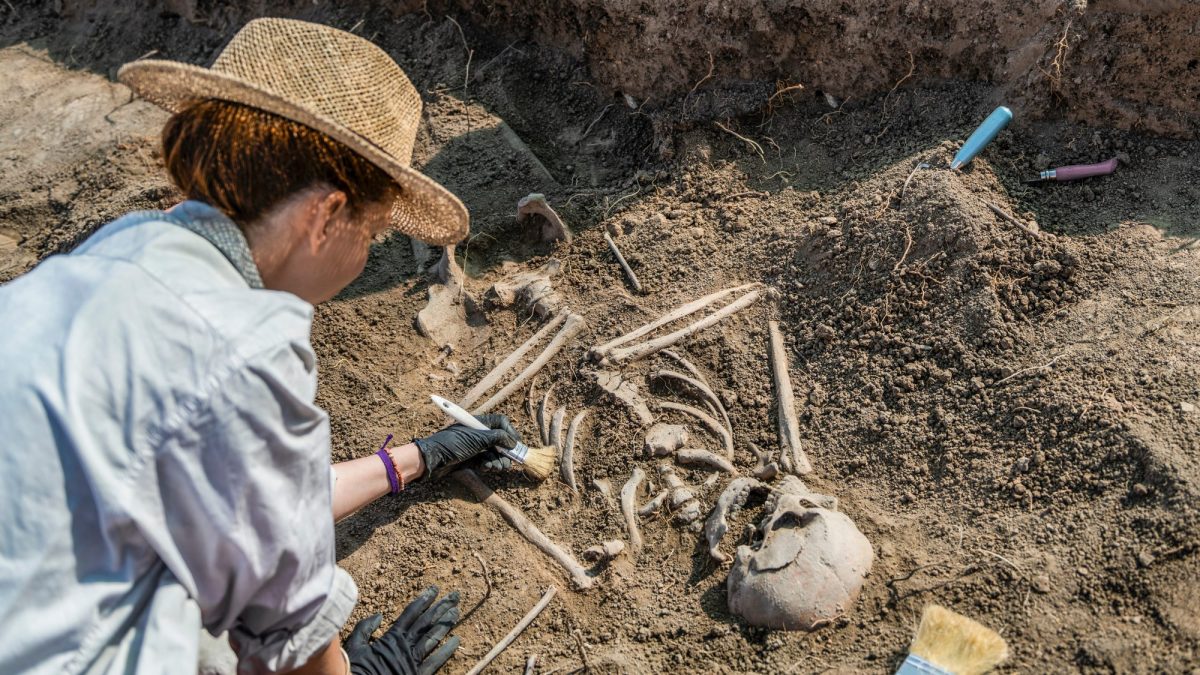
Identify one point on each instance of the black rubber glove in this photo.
(407, 648)
(457, 443)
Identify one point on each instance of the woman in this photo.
(164, 467)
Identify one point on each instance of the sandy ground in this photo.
(1011, 420)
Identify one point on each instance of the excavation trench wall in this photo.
(1130, 64)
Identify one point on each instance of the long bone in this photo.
(576, 571)
(728, 504)
(567, 465)
(791, 454)
(628, 497)
(633, 280)
(573, 325)
(600, 351)
(705, 419)
(529, 402)
(706, 393)
(620, 355)
(493, 378)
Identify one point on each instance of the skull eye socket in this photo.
(792, 519)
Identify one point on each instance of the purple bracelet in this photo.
(393, 482)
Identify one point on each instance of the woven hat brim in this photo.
(425, 210)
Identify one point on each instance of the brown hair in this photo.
(243, 161)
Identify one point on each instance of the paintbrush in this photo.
(951, 644)
(538, 462)
(1075, 172)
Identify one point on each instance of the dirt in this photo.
(1011, 419)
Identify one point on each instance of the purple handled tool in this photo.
(1076, 171)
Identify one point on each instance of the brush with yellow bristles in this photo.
(538, 462)
(951, 644)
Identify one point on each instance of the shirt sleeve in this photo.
(247, 500)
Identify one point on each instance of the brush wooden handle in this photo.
(1077, 171)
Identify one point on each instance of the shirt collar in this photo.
(221, 232)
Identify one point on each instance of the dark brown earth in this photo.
(1011, 420)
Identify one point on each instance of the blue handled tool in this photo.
(983, 135)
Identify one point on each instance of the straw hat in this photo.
(329, 80)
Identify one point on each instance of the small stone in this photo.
(1145, 559)
(828, 221)
(1140, 490)
(1186, 407)
(1123, 158)
(907, 498)
(1040, 583)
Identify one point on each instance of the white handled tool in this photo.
(517, 454)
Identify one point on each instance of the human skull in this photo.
(807, 569)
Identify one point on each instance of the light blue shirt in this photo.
(162, 464)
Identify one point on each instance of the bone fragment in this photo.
(728, 504)
(706, 420)
(556, 428)
(664, 439)
(543, 417)
(598, 353)
(683, 501)
(625, 391)
(512, 634)
(704, 458)
(571, 327)
(706, 393)
(604, 487)
(766, 468)
(446, 270)
(568, 456)
(687, 365)
(493, 378)
(791, 454)
(577, 573)
(622, 355)
(654, 505)
(532, 289)
(529, 412)
(530, 664)
(628, 496)
(633, 280)
(535, 203)
(606, 551)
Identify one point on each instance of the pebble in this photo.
(1186, 407)
(828, 221)
(1145, 559)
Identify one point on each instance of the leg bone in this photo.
(577, 573)
(493, 378)
(620, 355)
(573, 325)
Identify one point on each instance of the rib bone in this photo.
(543, 415)
(573, 325)
(598, 353)
(621, 355)
(628, 496)
(491, 379)
(687, 365)
(707, 420)
(706, 394)
(728, 504)
(556, 425)
(791, 454)
(699, 457)
(577, 573)
(568, 456)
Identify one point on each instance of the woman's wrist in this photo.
(408, 463)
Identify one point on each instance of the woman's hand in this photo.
(457, 443)
(407, 648)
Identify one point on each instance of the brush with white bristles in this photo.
(951, 644)
(537, 462)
